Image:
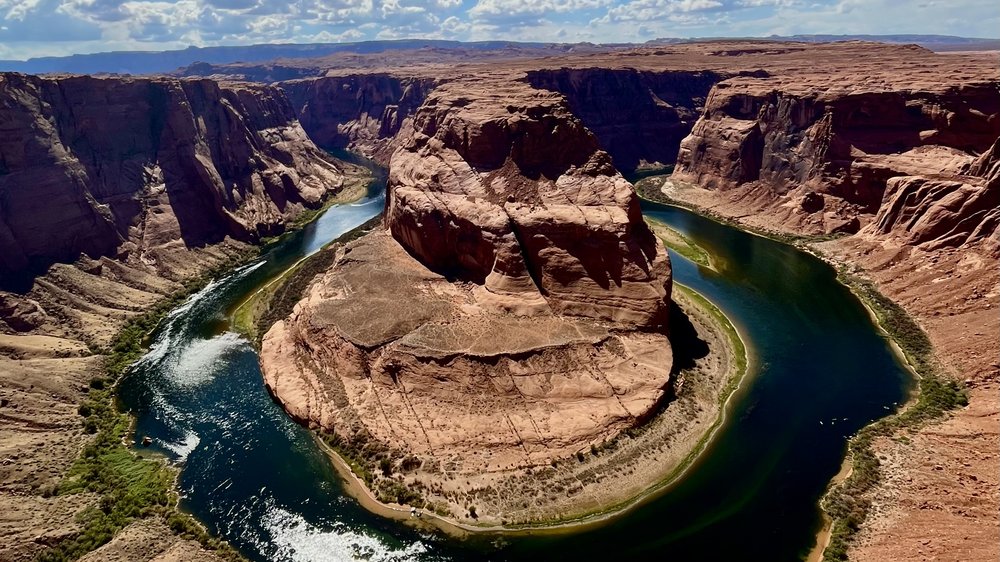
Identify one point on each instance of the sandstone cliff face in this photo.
(639, 117)
(845, 141)
(361, 112)
(934, 212)
(506, 187)
(103, 166)
(512, 312)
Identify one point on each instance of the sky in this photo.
(30, 28)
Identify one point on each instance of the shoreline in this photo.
(907, 415)
(239, 315)
(732, 383)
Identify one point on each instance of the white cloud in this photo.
(57, 27)
(652, 10)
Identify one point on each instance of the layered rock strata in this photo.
(815, 151)
(513, 310)
(120, 165)
(639, 117)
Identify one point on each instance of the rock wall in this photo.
(639, 117)
(845, 142)
(935, 212)
(500, 184)
(361, 112)
(109, 166)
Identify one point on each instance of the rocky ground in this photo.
(150, 214)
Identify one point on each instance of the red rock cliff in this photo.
(500, 184)
(838, 136)
(96, 166)
(639, 117)
(362, 112)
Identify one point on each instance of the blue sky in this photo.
(58, 27)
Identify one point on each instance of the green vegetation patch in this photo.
(376, 464)
(679, 243)
(847, 503)
(738, 348)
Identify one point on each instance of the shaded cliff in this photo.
(105, 166)
(639, 117)
(361, 112)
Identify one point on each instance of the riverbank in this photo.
(246, 317)
(106, 310)
(849, 503)
(611, 480)
(97, 486)
(681, 244)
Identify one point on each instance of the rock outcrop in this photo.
(502, 185)
(841, 139)
(114, 166)
(938, 211)
(512, 312)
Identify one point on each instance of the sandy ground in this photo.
(939, 494)
(621, 475)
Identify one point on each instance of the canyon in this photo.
(503, 193)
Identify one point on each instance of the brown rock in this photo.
(19, 313)
(838, 135)
(361, 112)
(939, 212)
(114, 160)
(446, 377)
(495, 325)
(501, 185)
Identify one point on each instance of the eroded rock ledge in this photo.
(511, 313)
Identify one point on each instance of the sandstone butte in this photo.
(513, 312)
(890, 148)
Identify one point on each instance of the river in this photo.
(820, 371)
